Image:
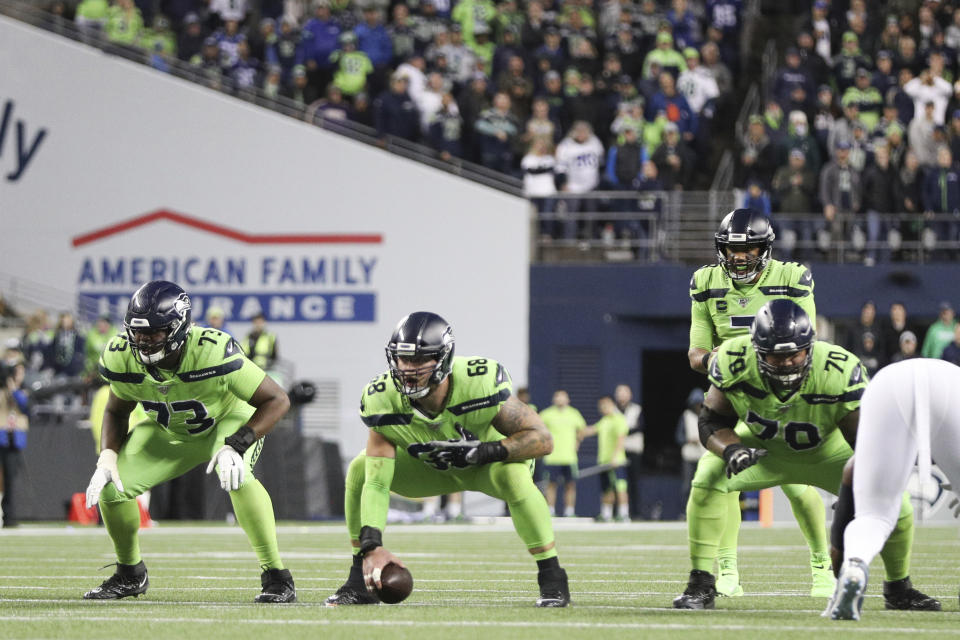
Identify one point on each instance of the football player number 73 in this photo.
(200, 420)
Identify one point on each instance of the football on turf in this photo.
(397, 583)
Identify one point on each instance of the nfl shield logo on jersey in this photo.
(743, 302)
(163, 388)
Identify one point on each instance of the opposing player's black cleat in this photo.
(127, 580)
(277, 587)
(700, 593)
(351, 594)
(901, 595)
(554, 591)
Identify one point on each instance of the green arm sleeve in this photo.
(375, 496)
(701, 326)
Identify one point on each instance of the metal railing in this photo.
(31, 14)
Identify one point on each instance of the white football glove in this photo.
(231, 467)
(106, 472)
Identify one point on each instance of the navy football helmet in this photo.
(744, 228)
(157, 306)
(422, 336)
(781, 327)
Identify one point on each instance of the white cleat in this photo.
(847, 600)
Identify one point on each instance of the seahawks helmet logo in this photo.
(182, 304)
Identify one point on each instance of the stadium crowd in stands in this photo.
(856, 138)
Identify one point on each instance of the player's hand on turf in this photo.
(739, 457)
(106, 472)
(373, 564)
(231, 467)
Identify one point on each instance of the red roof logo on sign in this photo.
(233, 234)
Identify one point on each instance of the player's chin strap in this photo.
(921, 409)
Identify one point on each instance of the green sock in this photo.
(254, 510)
(351, 500)
(707, 512)
(122, 520)
(809, 512)
(896, 552)
(727, 549)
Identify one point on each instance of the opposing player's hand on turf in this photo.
(106, 472)
(373, 564)
(231, 467)
(739, 457)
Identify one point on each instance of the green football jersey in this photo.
(808, 418)
(563, 425)
(478, 388)
(214, 379)
(609, 430)
(721, 309)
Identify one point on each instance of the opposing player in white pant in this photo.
(908, 410)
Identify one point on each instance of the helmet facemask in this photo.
(434, 363)
(150, 352)
(747, 270)
(785, 378)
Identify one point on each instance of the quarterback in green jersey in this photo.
(206, 403)
(724, 299)
(441, 424)
(782, 407)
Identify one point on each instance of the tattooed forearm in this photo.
(527, 436)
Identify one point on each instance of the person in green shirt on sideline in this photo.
(940, 333)
(611, 431)
(724, 298)
(565, 424)
(206, 403)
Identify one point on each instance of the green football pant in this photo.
(152, 455)
(707, 506)
(511, 482)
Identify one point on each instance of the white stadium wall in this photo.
(112, 174)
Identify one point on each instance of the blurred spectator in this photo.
(885, 77)
(881, 200)
(352, 67)
(895, 326)
(686, 26)
(429, 100)
(815, 66)
(191, 38)
(261, 345)
(331, 108)
(906, 57)
(373, 40)
(246, 70)
(228, 40)
(13, 434)
(395, 112)
(697, 83)
(470, 13)
(628, 51)
(794, 191)
(823, 28)
(907, 349)
(538, 182)
(37, 336)
(867, 97)
(929, 88)
(793, 87)
(320, 38)
(675, 106)
(540, 125)
(402, 35)
(216, 319)
(757, 198)
(498, 128)
(649, 200)
(207, 63)
(757, 155)
(588, 106)
(414, 69)
(446, 128)
(647, 23)
(579, 159)
(96, 341)
(826, 112)
(911, 186)
(868, 322)
(287, 51)
(951, 353)
(710, 56)
(362, 111)
(847, 62)
(92, 14)
(229, 10)
(953, 134)
(688, 437)
(674, 160)
(265, 36)
(842, 130)
(534, 26)
(940, 333)
(941, 194)
(902, 101)
(550, 55)
(798, 138)
(66, 354)
(124, 23)
(669, 59)
(773, 120)
(869, 353)
(473, 100)
(840, 194)
(300, 90)
(624, 160)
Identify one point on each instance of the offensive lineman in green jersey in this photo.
(206, 402)
(724, 298)
(442, 424)
(782, 407)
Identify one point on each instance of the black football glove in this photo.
(738, 457)
(461, 452)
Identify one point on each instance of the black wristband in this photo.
(731, 449)
(242, 439)
(705, 360)
(488, 452)
(370, 539)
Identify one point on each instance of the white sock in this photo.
(568, 511)
(623, 511)
(454, 509)
(606, 511)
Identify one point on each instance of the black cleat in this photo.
(350, 594)
(554, 591)
(277, 587)
(901, 595)
(700, 593)
(128, 580)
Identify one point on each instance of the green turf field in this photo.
(471, 581)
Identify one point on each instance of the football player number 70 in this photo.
(200, 420)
